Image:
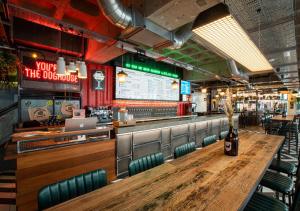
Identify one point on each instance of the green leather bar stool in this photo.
(223, 134)
(70, 188)
(184, 149)
(278, 183)
(284, 167)
(261, 202)
(209, 140)
(145, 163)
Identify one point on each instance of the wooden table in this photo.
(288, 118)
(203, 180)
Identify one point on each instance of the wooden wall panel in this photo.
(38, 169)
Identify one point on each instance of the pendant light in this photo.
(175, 84)
(60, 66)
(60, 63)
(82, 73)
(122, 75)
(71, 67)
(78, 65)
(204, 90)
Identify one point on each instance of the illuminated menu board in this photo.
(146, 86)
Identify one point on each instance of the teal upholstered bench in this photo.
(184, 149)
(145, 163)
(209, 140)
(70, 188)
(223, 134)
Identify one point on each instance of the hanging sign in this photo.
(98, 80)
(41, 70)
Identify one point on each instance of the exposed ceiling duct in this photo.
(116, 13)
(236, 74)
(139, 29)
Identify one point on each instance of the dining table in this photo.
(288, 118)
(205, 179)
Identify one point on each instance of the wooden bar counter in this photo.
(38, 169)
(203, 180)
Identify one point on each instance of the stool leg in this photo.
(290, 200)
(289, 142)
(283, 198)
(297, 142)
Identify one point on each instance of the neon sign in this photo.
(46, 71)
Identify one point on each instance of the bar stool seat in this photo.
(184, 149)
(260, 202)
(209, 140)
(144, 163)
(283, 166)
(277, 182)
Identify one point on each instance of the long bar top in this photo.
(203, 180)
(39, 135)
(147, 125)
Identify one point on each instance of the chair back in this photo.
(184, 149)
(62, 191)
(209, 140)
(145, 163)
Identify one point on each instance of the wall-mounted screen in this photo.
(185, 88)
(145, 86)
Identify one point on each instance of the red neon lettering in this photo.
(27, 70)
(54, 76)
(38, 73)
(47, 71)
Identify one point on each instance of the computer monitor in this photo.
(80, 124)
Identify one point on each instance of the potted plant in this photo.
(9, 65)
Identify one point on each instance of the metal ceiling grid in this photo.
(277, 30)
(191, 53)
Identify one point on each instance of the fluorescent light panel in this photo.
(227, 35)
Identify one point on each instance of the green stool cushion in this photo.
(223, 135)
(184, 149)
(261, 202)
(145, 163)
(277, 182)
(70, 188)
(283, 166)
(209, 140)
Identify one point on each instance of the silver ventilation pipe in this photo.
(182, 35)
(124, 17)
(236, 73)
(116, 13)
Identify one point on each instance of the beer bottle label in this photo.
(227, 146)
